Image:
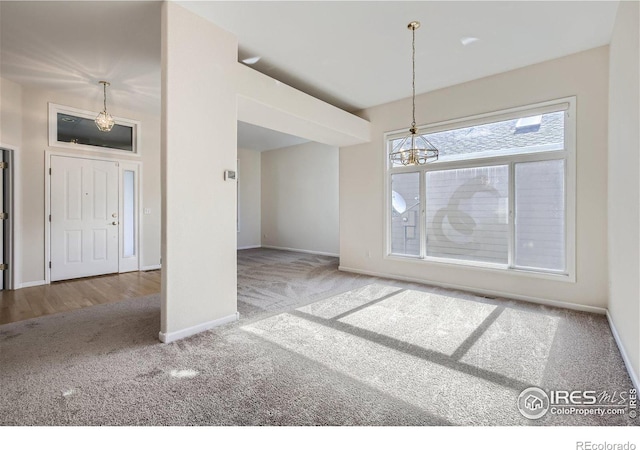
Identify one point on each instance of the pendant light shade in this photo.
(413, 149)
(104, 121)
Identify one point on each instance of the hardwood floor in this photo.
(74, 294)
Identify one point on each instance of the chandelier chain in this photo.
(413, 149)
(104, 85)
(413, 80)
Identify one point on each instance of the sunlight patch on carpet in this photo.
(455, 396)
(436, 322)
(426, 349)
(184, 373)
(343, 303)
(517, 344)
(68, 393)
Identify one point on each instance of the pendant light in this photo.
(104, 121)
(413, 149)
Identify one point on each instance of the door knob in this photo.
(114, 223)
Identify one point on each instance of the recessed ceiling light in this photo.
(468, 40)
(251, 60)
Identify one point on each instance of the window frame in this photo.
(568, 154)
(54, 109)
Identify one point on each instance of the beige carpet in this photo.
(314, 346)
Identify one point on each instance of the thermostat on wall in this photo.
(229, 175)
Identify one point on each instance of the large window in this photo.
(500, 196)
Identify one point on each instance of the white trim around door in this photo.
(127, 169)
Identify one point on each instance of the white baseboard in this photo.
(148, 268)
(247, 247)
(31, 284)
(526, 298)
(312, 252)
(186, 332)
(625, 357)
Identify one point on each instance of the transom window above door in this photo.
(76, 128)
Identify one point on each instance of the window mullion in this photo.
(423, 213)
(512, 216)
(389, 214)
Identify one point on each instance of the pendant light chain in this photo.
(104, 85)
(413, 149)
(413, 71)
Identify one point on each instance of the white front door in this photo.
(84, 217)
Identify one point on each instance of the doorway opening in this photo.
(6, 219)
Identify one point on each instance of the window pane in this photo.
(79, 130)
(128, 218)
(467, 214)
(524, 135)
(540, 215)
(405, 212)
(392, 145)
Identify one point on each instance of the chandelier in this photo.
(104, 121)
(413, 149)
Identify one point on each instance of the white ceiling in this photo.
(70, 46)
(253, 137)
(358, 54)
(351, 54)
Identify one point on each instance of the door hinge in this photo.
(4, 216)
(4, 164)
(49, 264)
(4, 266)
(49, 170)
(49, 217)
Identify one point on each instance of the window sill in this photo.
(484, 267)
